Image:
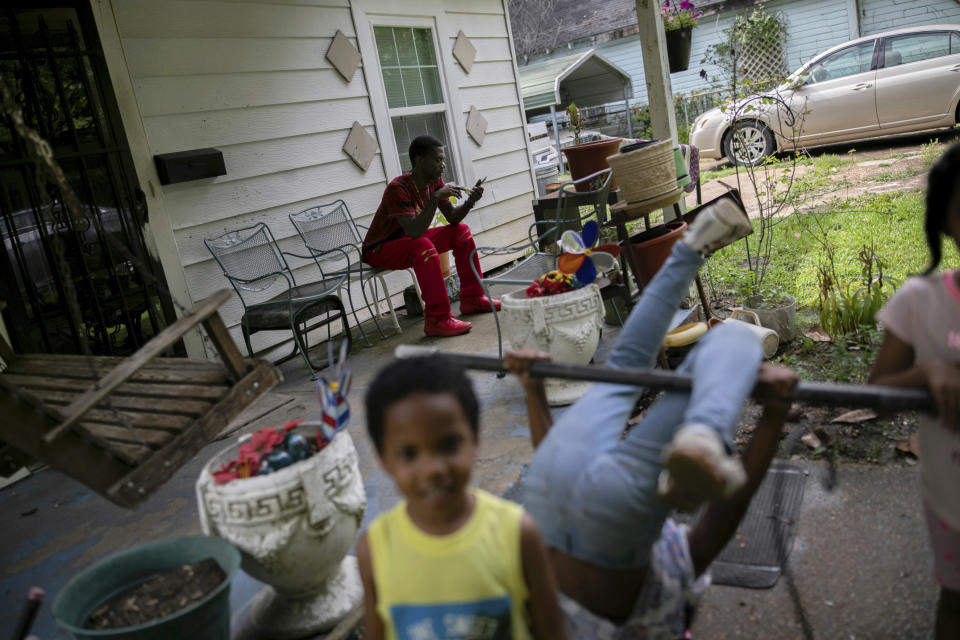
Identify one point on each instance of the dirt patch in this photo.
(900, 166)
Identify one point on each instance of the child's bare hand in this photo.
(943, 381)
(518, 363)
(775, 385)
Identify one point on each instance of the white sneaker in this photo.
(697, 467)
(719, 223)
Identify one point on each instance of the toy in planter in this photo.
(333, 394)
(273, 448)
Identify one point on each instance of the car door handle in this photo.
(955, 67)
(861, 86)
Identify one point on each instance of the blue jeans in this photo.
(592, 491)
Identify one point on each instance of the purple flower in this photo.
(686, 5)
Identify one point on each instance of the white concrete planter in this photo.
(294, 528)
(566, 325)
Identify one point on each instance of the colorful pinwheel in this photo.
(578, 248)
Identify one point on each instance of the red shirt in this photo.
(400, 198)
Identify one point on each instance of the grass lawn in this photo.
(890, 223)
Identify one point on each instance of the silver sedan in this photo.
(894, 82)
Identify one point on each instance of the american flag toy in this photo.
(333, 395)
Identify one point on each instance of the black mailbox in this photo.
(184, 166)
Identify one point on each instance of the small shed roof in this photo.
(588, 79)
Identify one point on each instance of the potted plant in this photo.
(291, 500)
(679, 19)
(562, 311)
(586, 158)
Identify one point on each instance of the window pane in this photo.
(406, 128)
(844, 63)
(424, 43)
(405, 47)
(385, 47)
(431, 85)
(413, 86)
(918, 47)
(954, 43)
(393, 84)
(409, 65)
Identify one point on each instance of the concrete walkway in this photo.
(860, 566)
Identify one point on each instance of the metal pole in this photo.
(626, 106)
(556, 135)
(821, 393)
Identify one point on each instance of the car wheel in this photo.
(748, 143)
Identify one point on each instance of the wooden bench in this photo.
(123, 426)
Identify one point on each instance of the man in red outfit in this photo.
(400, 237)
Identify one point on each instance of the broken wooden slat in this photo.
(126, 367)
(141, 420)
(188, 371)
(225, 346)
(153, 405)
(25, 419)
(139, 483)
(130, 453)
(154, 438)
(74, 385)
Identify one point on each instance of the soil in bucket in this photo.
(205, 619)
(160, 595)
(652, 247)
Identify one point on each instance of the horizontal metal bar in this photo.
(821, 393)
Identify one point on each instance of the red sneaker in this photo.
(440, 327)
(478, 304)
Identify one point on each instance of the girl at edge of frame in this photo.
(921, 348)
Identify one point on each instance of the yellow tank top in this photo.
(465, 585)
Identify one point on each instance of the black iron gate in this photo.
(50, 58)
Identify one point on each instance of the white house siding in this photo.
(881, 15)
(251, 79)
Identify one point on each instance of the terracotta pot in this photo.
(651, 248)
(566, 325)
(678, 48)
(294, 528)
(590, 157)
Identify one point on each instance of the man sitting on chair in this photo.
(400, 237)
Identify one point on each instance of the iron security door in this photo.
(63, 278)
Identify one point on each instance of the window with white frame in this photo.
(411, 80)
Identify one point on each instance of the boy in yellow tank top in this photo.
(449, 561)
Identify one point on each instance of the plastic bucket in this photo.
(652, 247)
(781, 317)
(768, 337)
(546, 174)
(207, 619)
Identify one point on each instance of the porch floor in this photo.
(57, 527)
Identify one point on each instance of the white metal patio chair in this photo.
(253, 263)
(327, 227)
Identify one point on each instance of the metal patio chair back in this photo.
(573, 209)
(253, 262)
(330, 227)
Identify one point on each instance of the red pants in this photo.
(423, 255)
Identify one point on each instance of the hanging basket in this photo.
(678, 48)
